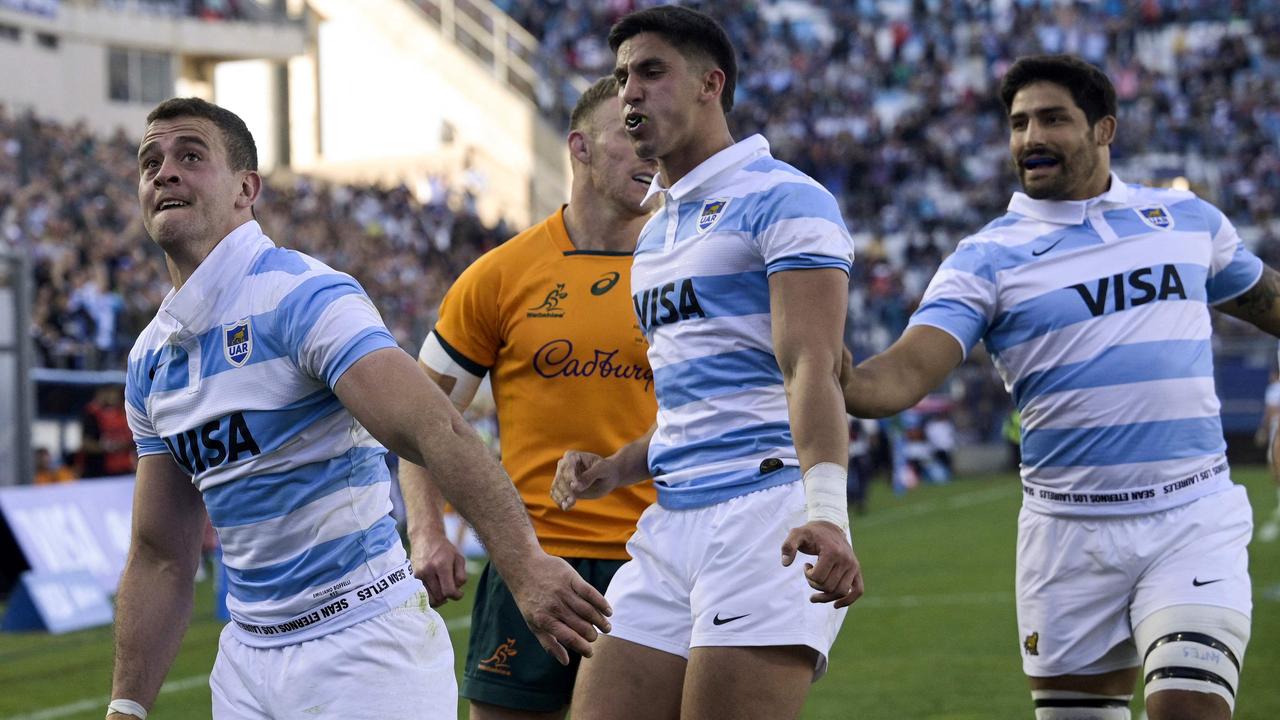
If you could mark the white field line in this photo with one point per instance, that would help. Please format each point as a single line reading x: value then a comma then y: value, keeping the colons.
x: 977, y: 497
x: 173, y: 686
x: 911, y: 601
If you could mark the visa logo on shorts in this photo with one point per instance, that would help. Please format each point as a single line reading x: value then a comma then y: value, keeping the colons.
x: 1139, y: 287
x: 667, y: 304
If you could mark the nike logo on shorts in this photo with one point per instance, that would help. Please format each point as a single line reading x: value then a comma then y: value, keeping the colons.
x: 1197, y: 582
x: 717, y: 620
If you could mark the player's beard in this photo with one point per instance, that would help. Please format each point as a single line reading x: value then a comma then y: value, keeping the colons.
x: 1074, y: 169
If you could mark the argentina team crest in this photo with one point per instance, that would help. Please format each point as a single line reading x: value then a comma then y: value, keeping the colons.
x: 1157, y: 216
x: 237, y: 342
x: 712, y: 211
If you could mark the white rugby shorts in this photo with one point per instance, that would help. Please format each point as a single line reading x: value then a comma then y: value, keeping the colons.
x: 1083, y: 584
x: 397, y: 665
x: 713, y: 576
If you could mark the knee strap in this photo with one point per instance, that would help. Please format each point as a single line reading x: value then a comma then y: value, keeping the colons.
x: 1193, y: 648
x: 1071, y: 705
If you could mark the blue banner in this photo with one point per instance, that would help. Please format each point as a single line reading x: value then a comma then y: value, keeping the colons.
x: 73, y: 526
x: 57, y: 603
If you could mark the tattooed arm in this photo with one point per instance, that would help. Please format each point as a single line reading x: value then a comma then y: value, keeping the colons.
x: 1260, y: 304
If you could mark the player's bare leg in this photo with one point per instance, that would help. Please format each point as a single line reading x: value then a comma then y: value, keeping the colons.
x: 626, y: 681
x: 746, y: 683
x: 1187, y: 705
x: 485, y: 711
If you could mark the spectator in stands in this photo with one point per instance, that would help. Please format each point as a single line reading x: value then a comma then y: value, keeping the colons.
x: 47, y: 473
x: 106, y: 442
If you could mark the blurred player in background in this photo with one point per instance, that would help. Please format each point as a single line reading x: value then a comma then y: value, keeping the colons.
x: 1093, y: 298
x: 548, y: 313
x: 740, y: 283
x: 261, y: 390
x: 1269, y: 432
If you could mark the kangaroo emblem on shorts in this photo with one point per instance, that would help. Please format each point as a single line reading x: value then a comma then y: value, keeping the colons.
x: 498, y: 661
x: 1032, y: 644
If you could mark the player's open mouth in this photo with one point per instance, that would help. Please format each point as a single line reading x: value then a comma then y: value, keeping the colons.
x: 633, y: 121
x: 1035, y: 162
x: 644, y: 179
x: 170, y: 204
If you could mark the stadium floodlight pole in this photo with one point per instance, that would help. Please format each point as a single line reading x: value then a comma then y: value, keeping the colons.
x: 15, y: 343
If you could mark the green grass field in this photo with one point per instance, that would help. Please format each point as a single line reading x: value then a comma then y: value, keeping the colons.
x: 933, y: 638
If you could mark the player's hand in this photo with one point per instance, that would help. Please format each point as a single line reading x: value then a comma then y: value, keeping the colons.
x: 836, y: 576
x: 583, y: 475
x: 439, y: 565
x: 561, y: 608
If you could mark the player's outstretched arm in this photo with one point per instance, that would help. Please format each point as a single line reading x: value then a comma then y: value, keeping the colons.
x: 899, y: 377
x: 437, y: 562
x: 153, y: 605
x: 586, y: 476
x: 388, y: 394
x: 808, y: 309
x: 1260, y: 304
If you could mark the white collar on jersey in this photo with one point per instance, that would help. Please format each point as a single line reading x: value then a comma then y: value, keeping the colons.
x: 229, y: 259
x: 1068, y: 212
x: 737, y: 154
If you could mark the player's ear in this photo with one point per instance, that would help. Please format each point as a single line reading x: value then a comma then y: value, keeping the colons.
x: 250, y: 187
x: 713, y: 84
x: 1104, y: 131
x: 579, y: 148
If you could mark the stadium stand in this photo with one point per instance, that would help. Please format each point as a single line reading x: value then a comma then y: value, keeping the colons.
x: 889, y: 104
x: 68, y: 198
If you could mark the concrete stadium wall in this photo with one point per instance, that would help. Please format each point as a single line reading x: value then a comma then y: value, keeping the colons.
x: 69, y: 81
x: 395, y: 100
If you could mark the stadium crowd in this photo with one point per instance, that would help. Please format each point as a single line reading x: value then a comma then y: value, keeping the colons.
x: 68, y: 199
x: 890, y: 105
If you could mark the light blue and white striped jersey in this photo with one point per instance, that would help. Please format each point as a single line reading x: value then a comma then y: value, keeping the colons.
x: 1096, y: 314
x: 700, y: 284
x: 234, y: 378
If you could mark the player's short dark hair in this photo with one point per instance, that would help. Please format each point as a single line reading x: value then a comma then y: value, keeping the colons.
x: 601, y: 90
x: 1089, y: 87
x: 693, y: 33
x: 242, y: 153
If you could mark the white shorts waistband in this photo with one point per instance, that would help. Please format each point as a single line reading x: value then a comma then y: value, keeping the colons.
x: 337, y: 606
x: 1126, y: 501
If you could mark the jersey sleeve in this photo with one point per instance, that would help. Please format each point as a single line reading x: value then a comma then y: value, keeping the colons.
x: 469, y: 328
x: 1233, y: 269
x: 961, y: 297
x: 798, y: 226
x: 137, y: 385
x: 328, y: 324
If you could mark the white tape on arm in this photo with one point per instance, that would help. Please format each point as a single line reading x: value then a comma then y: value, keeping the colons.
x: 824, y: 494
x: 434, y: 355
x: 127, y: 707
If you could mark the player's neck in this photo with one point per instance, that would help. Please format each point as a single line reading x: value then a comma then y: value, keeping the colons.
x: 182, y: 263
x: 595, y: 224
x: 700, y: 145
